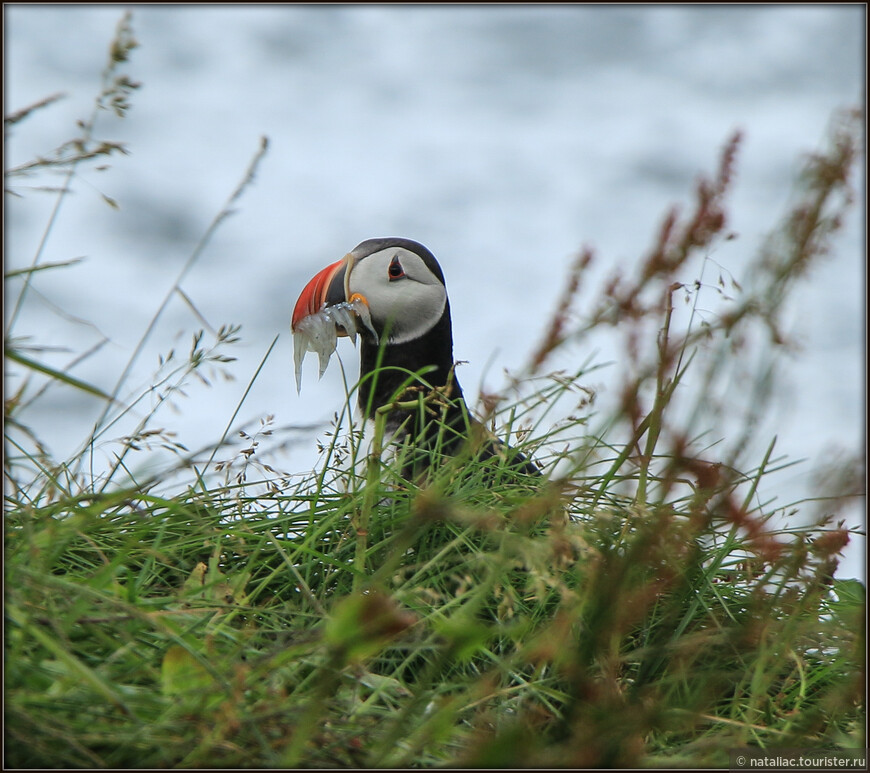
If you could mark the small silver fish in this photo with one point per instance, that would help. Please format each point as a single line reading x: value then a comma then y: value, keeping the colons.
x: 319, y: 332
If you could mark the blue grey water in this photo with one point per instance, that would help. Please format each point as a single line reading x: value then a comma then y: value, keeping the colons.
x: 504, y: 138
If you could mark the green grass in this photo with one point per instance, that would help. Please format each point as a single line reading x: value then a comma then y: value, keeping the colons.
x: 641, y: 605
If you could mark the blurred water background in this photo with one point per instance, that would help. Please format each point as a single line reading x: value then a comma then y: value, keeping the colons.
x: 504, y: 138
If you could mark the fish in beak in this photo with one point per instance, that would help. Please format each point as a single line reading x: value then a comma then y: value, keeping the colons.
x: 325, y: 311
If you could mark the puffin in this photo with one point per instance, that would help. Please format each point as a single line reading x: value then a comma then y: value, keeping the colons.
x: 392, y: 293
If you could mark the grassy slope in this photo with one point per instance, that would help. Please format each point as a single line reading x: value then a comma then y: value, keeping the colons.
x: 642, y: 607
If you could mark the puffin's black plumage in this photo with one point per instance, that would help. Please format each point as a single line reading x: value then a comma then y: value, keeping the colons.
x: 403, y: 287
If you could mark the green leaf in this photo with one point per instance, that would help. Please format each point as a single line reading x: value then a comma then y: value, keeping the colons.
x: 850, y: 593
x: 181, y: 672
x: 41, y: 267
x: 64, y: 377
x: 466, y: 635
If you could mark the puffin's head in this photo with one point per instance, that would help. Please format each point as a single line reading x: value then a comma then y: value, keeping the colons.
x: 398, y: 280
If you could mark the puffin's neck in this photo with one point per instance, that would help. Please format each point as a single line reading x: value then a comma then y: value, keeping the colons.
x: 432, y: 348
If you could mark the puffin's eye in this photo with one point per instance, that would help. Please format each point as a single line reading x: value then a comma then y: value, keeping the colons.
x: 395, y: 271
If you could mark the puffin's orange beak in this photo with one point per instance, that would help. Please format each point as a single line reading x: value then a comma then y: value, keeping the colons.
x: 314, y: 295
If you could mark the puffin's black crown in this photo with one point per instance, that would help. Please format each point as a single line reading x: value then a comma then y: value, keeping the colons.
x: 371, y: 246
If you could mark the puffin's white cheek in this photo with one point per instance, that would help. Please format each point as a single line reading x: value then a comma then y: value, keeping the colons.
x: 408, y: 308
x: 416, y: 311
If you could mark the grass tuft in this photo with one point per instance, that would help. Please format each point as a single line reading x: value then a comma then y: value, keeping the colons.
x: 638, y: 606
